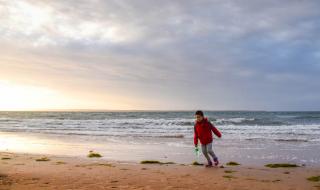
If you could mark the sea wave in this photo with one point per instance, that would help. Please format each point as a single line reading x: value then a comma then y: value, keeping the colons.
x: 279, y: 139
x: 291, y: 140
x: 234, y: 120
x: 236, y: 125
x: 248, y: 121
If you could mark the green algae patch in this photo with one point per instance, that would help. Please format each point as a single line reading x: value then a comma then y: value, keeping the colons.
x: 95, y: 164
x: 232, y: 163
x: 154, y: 162
x: 314, y: 178
x: 229, y: 176
x: 229, y: 171
x: 150, y: 162
x: 6, y: 158
x: 43, y: 159
x: 94, y: 155
x: 60, y: 162
x: 104, y: 164
x: 281, y: 165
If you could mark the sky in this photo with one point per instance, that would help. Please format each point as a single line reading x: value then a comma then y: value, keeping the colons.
x: 160, y: 55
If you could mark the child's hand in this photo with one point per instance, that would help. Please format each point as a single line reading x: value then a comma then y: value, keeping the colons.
x: 196, y: 151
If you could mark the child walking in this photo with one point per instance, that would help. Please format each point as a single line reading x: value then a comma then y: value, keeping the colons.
x: 203, y: 129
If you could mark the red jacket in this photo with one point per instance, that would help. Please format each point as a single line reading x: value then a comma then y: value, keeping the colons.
x: 202, y: 131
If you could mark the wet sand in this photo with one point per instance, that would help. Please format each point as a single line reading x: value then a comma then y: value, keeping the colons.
x: 22, y: 171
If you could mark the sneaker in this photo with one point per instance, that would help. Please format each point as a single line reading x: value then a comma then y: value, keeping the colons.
x: 216, y: 161
x: 209, y: 165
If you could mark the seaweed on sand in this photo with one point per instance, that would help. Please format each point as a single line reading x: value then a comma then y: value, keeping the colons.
x: 43, y: 159
x: 94, y: 154
x: 281, y: 165
x: 314, y: 178
x: 232, y: 163
x: 154, y: 162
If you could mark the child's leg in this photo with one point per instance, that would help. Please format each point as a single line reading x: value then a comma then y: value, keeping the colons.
x: 205, y: 152
x: 210, y: 151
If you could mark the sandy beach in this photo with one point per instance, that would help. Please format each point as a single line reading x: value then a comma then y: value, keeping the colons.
x: 22, y: 171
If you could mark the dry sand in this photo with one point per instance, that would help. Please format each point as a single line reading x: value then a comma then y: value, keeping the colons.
x: 21, y: 171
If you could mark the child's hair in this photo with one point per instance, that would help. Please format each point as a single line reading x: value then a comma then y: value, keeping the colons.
x: 199, y: 112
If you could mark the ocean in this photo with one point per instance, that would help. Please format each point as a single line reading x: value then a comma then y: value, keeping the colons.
x: 253, y: 137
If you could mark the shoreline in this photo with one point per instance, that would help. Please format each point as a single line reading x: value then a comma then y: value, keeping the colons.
x: 201, y: 160
x: 22, y: 171
x: 167, y: 149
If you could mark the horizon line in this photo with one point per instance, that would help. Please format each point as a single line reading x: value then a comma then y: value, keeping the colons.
x: 154, y: 110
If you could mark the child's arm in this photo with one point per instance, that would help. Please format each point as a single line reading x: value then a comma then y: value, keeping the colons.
x: 215, y: 130
x: 195, y: 139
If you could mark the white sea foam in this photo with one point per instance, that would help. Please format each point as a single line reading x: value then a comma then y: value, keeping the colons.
x: 254, y: 126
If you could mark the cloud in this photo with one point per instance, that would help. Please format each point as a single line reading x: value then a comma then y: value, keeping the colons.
x: 168, y: 54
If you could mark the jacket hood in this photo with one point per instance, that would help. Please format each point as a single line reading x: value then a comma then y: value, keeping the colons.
x: 204, y: 120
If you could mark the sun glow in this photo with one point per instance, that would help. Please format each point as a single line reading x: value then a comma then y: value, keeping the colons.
x: 21, y: 97
x: 26, y: 97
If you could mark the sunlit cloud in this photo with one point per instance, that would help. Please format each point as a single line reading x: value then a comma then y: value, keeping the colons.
x: 43, y: 23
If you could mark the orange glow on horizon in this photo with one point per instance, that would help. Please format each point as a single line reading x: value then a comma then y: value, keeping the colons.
x: 21, y: 97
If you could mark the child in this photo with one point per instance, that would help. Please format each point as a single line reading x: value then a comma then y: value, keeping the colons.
x: 202, y: 131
